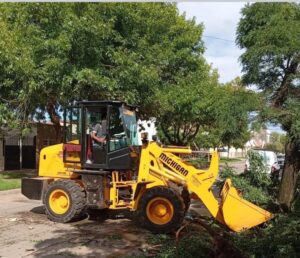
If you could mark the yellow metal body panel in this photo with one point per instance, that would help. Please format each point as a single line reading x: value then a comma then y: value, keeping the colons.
x: 51, y: 163
x: 118, y: 184
x: 240, y: 214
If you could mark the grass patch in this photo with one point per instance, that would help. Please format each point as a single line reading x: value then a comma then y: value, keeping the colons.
x: 228, y: 160
x: 9, y: 183
x: 10, y: 180
x: 204, y: 163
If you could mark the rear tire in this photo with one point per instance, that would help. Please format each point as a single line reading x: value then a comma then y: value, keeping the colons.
x: 64, y: 201
x: 161, y: 210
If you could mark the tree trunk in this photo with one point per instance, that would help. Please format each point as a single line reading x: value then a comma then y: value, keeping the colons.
x: 228, y: 151
x: 55, y: 119
x: 290, y: 174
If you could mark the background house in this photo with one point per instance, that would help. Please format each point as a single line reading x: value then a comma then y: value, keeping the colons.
x: 17, y: 152
x: 258, y: 140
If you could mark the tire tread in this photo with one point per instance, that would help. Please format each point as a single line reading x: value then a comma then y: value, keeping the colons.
x: 173, y: 197
x: 77, y: 197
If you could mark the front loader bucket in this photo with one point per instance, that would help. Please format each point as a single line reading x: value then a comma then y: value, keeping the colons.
x: 238, y: 213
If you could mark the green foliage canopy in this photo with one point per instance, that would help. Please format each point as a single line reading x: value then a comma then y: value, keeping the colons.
x: 270, y: 34
x: 139, y: 53
x: 231, y: 106
x: 146, y: 54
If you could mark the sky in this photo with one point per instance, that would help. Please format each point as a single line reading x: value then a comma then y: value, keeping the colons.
x: 220, y: 21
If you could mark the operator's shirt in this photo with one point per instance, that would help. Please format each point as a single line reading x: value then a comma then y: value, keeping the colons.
x: 97, y: 129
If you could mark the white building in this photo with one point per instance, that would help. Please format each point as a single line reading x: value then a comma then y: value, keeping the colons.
x: 147, y: 126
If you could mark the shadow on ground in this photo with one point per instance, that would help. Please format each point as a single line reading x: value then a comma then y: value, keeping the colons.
x: 38, y: 210
x: 85, y: 238
x: 94, y: 239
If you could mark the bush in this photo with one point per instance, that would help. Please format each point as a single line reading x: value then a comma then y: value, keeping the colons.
x: 281, y: 235
x: 245, y: 183
x: 258, y: 174
x: 280, y: 238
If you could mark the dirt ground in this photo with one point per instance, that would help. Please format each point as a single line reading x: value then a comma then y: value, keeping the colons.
x: 25, y: 231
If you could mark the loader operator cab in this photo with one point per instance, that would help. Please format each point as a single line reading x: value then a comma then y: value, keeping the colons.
x: 103, y: 132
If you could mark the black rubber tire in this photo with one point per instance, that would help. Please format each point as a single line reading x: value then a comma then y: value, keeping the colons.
x: 186, y: 199
x: 173, y: 197
x: 76, y: 196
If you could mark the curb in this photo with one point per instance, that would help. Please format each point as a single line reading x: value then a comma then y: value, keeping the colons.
x: 12, y: 191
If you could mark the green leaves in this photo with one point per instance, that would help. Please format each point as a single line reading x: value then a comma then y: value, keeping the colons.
x: 270, y: 34
x: 144, y: 53
x: 252, y: 190
x: 280, y: 238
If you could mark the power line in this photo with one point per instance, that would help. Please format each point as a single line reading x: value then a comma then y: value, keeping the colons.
x: 212, y: 37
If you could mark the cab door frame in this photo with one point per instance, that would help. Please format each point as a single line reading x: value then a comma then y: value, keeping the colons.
x: 76, y: 147
x: 84, y: 136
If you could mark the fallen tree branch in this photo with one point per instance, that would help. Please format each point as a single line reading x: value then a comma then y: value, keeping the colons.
x: 222, y: 244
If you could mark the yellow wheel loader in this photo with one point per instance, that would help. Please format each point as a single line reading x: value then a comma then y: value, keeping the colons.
x: 100, y: 166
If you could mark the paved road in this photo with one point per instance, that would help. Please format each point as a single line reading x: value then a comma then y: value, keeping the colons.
x: 237, y: 166
x: 26, y: 232
x: 12, y: 201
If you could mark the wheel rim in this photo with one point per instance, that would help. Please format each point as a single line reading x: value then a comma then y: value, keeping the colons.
x: 59, y: 201
x: 160, y: 211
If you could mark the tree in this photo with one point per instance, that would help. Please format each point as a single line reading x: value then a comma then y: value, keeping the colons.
x: 277, y: 141
x: 186, y: 108
x: 230, y: 116
x: 139, y: 53
x: 15, y: 69
x: 235, y: 104
x: 269, y: 33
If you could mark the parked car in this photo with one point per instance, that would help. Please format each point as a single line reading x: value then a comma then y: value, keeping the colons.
x: 281, y: 158
x: 270, y: 160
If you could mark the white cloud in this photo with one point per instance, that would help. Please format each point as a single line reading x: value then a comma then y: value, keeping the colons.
x: 220, y: 21
x: 228, y: 67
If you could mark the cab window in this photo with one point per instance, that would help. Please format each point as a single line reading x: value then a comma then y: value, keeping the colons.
x: 118, y: 137
x: 72, y: 124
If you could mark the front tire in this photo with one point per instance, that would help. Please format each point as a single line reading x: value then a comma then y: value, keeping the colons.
x: 161, y: 210
x: 186, y: 199
x: 64, y: 201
